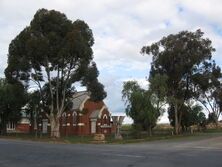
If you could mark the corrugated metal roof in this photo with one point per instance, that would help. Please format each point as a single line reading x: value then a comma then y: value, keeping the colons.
x: 78, y: 99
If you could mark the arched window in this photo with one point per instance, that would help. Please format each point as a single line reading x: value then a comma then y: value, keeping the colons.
x: 105, y: 116
x: 105, y: 119
x: 74, y: 116
x: 64, y: 119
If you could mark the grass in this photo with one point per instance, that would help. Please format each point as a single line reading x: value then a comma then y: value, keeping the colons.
x: 78, y: 139
x: 195, y: 136
x: 159, y: 134
x: 31, y: 137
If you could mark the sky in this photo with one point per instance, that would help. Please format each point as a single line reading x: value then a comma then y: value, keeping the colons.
x: 120, y: 28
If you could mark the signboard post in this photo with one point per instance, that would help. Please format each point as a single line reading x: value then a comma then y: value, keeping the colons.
x: 117, y: 121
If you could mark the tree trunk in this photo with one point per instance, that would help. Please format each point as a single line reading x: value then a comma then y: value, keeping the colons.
x: 55, y: 131
x: 35, y: 126
x: 179, y: 121
x: 176, y: 120
x: 32, y: 121
x: 150, y: 131
x: 3, y: 128
x: 217, y: 123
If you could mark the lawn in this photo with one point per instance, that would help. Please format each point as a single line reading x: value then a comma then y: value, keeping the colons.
x: 161, y: 132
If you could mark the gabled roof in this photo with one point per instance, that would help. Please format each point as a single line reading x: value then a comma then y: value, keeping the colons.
x: 79, y: 99
x: 95, y: 114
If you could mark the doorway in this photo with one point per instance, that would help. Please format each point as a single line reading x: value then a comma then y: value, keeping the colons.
x: 93, y: 126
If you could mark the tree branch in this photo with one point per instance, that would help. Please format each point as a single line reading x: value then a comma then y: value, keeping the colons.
x: 50, y: 85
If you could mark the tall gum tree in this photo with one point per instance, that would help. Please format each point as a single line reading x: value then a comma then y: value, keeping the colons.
x: 179, y: 57
x: 56, y: 53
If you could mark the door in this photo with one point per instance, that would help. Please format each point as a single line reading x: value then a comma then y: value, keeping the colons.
x: 93, y: 126
x: 44, y: 126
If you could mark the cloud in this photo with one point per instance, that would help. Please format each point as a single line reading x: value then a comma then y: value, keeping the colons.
x: 120, y: 29
x: 208, y: 10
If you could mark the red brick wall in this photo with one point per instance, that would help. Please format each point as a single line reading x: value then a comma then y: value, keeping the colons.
x: 83, y: 118
x: 24, y: 128
x: 104, y: 122
x: 89, y: 107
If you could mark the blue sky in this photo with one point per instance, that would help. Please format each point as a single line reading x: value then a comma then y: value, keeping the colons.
x: 120, y: 28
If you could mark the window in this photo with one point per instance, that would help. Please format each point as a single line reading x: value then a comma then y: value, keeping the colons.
x: 64, y: 119
x: 11, y: 126
x: 74, y: 116
x: 105, y: 119
x: 105, y: 116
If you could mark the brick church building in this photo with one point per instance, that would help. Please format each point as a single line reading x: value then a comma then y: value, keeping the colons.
x: 85, y: 118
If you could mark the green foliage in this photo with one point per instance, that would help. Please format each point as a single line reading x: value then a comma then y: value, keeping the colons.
x: 158, y: 90
x: 158, y: 85
x: 33, y: 108
x: 180, y: 57
x: 91, y: 81
x: 55, y: 54
x: 212, y: 118
x: 12, y: 99
x: 207, y: 84
x: 56, y: 47
x: 189, y: 114
x: 52, y: 43
x: 131, y: 89
x: 139, y: 106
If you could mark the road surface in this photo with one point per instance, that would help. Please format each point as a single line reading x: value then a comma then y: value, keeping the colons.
x: 171, y: 153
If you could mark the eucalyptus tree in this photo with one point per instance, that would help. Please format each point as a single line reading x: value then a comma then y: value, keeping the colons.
x: 149, y: 114
x: 55, y: 52
x: 208, y: 89
x: 179, y: 57
x: 130, y: 91
x: 140, y: 106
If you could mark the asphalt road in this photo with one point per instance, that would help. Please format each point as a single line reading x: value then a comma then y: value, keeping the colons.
x: 179, y: 153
